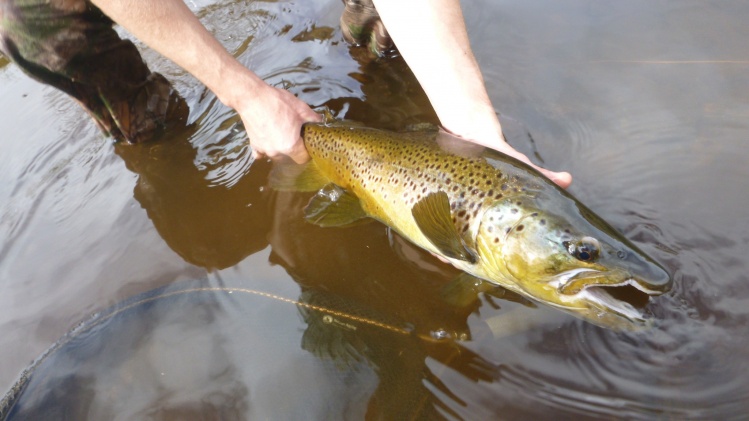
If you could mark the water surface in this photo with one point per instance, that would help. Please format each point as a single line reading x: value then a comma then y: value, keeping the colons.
x: 204, y: 294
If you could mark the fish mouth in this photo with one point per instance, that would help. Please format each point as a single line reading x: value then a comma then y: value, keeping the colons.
x: 608, y: 297
x: 574, y: 281
x: 614, y: 291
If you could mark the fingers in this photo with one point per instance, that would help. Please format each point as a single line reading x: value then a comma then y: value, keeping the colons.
x: 274, y: 126
x: 257, y: 154
x: 297, y: 153
x: 310, y: 116
x: 562, y: 179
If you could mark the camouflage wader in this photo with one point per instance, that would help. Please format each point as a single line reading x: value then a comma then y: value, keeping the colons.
x: 71, y: 45
x: 361, y: 25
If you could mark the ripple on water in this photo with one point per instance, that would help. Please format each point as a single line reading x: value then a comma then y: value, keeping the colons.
x: 65, y: 176
x: 226, y: 157
x: 690, y: 365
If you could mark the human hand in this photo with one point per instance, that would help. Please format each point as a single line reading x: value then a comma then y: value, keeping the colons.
x: 562, y: 179
x: 273, y: 119
x: 464, y: 145
x: 456, y: 92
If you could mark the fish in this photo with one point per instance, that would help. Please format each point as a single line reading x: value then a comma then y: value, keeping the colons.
x: 495, y: 218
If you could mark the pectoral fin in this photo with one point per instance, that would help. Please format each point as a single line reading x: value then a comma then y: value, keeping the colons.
x: 432, y: 215
x: 465, y: 288
x: 333, y: 206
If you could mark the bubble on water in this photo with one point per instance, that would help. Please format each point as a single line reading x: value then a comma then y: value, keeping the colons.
x: 441, y: 334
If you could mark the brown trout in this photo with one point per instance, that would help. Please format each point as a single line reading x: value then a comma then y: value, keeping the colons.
x: 489, y: 215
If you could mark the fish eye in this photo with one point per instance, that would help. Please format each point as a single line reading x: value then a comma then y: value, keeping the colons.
x: 586, y: 249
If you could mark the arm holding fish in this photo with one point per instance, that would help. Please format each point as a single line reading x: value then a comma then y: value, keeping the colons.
x: 272, y: 117
x: 431, y: 34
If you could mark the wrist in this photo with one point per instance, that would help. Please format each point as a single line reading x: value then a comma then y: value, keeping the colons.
x: 475, y: 122
x: 235, y: 85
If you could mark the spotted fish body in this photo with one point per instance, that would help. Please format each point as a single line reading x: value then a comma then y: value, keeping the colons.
x: 391, y: 172
x: 486, y: 213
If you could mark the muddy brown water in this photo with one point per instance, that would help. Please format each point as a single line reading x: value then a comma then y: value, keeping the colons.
x: 203, y: 295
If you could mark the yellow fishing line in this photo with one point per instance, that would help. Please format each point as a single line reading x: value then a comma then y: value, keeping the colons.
x: 297, y: 303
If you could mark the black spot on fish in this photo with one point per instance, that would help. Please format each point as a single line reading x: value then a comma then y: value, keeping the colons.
x: 520, y: 228
x: 496, y: 240
x: 514, y: 211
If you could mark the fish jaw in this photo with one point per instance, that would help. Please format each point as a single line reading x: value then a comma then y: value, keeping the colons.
x: 650, y: 279
x: 591, y: 298
x: 592, y: 293
x: 537, y: 262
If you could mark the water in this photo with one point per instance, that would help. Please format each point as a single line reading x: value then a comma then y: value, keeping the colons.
x: 205, y: 295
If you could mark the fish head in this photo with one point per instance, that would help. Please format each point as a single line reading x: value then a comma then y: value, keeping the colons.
x: 571, y: 259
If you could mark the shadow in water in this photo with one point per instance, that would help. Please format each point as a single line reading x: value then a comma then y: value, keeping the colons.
x: 370, y: 302
x: 207, y: 224
x: 380, y: 307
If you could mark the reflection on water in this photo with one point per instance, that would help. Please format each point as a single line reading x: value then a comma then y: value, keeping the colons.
x: 223, y: 303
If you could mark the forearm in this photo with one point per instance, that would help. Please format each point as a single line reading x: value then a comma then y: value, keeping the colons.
x: 170, y: 27
x: 431, y: 35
